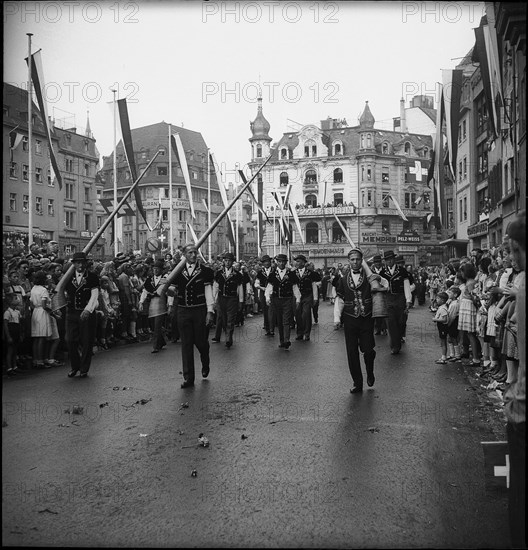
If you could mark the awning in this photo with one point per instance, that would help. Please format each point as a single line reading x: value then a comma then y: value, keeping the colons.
x: 37, y: 232
x: 455, y: 241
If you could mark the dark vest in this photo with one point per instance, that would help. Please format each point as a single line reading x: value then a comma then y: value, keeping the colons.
x: 396, y: 280
x: 263, y: 278
x: 228, y: 286
x: 358, y: 300
x: 283, y: 288
x: 78, y: 296
x: 191, y: 288
x: 305, y: 282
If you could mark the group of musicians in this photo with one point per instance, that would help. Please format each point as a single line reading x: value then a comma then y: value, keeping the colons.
x: 289, y: 297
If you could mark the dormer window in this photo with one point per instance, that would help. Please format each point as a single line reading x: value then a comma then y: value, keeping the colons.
x: 338, y: 148
x: 407, y: 148
x: 310, y: 148
x: 426, y: 152
x: 259, y: 151
x: 385, y: 148
x: 284, y: 153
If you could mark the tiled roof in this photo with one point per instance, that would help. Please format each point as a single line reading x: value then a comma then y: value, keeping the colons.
x: 16, y: 99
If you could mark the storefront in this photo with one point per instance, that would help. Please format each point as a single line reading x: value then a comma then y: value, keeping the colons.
x: 478, y: 233
x: 15, y: 239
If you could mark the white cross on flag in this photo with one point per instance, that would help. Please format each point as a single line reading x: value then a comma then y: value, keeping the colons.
x: 496, y: 465
x: 417, y: 170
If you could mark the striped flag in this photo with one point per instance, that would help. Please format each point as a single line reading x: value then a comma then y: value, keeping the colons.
x: 452, y: 85
x: 180, y: 155
x: 398, y: 208
x: 14, y: 141
x: 159, y: 224
x: 37, y: 77
x: 128, y: 147
x: 259, y: 207
x: 297, y: 222
x: 324, y: 211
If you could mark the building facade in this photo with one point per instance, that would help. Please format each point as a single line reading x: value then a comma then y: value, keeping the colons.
x: 68, y: 216
x: 154, y: 189
x: 356, y: 173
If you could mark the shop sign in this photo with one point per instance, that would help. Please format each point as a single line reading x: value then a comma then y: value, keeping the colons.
x: 375, y: 238
x: 404, y: 248
x: 327, y: 252
x: 480, y: 228
x: 408, y: 237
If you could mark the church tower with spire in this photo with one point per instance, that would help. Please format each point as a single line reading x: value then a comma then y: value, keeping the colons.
x: 260, y: 139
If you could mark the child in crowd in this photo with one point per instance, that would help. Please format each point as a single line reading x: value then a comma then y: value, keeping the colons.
x: 440, y: 318
x: 12, y: 333
x: 452, y: 324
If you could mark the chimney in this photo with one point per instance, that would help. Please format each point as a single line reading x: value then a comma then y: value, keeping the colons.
x: 403, y: 122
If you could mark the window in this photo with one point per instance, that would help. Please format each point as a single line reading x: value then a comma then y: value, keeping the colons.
x: 182, y: 194
x: 38, y: 147
x: 194, y: 175
x: 427, y: 200
x: 426, y: 152
x: 337, y: 233
x: 385, y: 200
x: 369, y: 198
x: 68, y: 139
x: 310, y: 178
x: 99, y: 221
x: 385, y: 227
x: 338, y: 199
x: 69, y: 221
x: 87, y: 220
x: 337, y: 149
x: 182, y: 215
x: 450, y: 217
x: 482, y: 114
x: 86, y: 194
x: 69, y: 190
x: 362, y: 173
x: 338, y: 175
x: 369, y: 141
x: 310, y: 148
x: 460, y: 210
x: 69, y: 165
x: 407, y: 149
x: 482, y: 161
x: 464, y: 167
x: 13, y: 168
x: 50, y: 181
x: 25, y: 172
x: 12, y: 202
x: 464, y: 134
x: 459, y: 133
x: 460, y: 171
x: 162, y: 170
x: 311, y: 201
x: 284, y: 153
x: 166, y: 193
x: 312, y: 233
x: 38, y: 174
x: 410, y: 200
x: 25, y: 203
x: 25, y: 144
x: 284, y: 179
x: 85, y: 145
x: 465, y: 208
x: 385, y: 176
x: 38, y: 205
x: 191, y: 155
x: 407, y: 225
x: 86, y: 169
x: 165, y: 214
x: 314, y: 150
x: 369, y: 174
x: 259, y: 151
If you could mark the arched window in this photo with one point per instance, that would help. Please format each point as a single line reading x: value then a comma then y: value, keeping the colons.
x: 312, y: 232
x: 338, y: 175
x: 284, y: 179
x: 337, y: 233
x: 369, y: 141
x: 385, y: 148
x: 311, y: 201
x: 338, y: 199
x: 407, y: 148
x: 284, y: 153
x: 362, y: 141
x: 310, y: 177
x: 310, y: 148
x: 338, y: 148
x: 259, y: 151
x: 426, y: 152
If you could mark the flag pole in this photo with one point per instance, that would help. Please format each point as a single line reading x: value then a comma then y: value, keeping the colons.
x: 30, y: 139
x: 236, y: 233
x: 116, y: 244
x: 274, y: 235
x: 209, y: 204
x: 171, y: 248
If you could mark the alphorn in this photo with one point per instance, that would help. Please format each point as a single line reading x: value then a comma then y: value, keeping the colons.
x: 58, y: 300
x: 179, y: 268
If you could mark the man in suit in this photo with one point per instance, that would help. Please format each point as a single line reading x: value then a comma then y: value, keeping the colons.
x: 309, y: 295
x: 261, y: 282
x: 398, y: 299
x: 194, y: 288
x: 353, y: 304
x: 228, y: 295
x: 82, y: 297
x: 282, y: 286
x: 151, y: 295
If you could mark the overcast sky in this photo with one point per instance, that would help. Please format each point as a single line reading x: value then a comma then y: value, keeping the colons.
x: 200, y: 63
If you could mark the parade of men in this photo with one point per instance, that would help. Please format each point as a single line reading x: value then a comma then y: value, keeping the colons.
x: 264, y: 274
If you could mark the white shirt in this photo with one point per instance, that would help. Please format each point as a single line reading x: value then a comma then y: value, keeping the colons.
x: 301, y: 271
x: 281, y: 273
x: 228, y: 272
x: 190, y: 268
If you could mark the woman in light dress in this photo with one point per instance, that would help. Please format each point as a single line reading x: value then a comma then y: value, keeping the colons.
x: 41, y: 327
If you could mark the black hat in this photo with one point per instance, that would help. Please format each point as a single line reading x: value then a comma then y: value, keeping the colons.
x: 356, y: 249
x: 229, y: 256
x: 79, y: 257
x: 265, y: 258
x: 376, y: 258
x: 388, y: 254
x: 159, y: 263
x: 121, y: 258
x: 300, y: 257
x: 282, y: 257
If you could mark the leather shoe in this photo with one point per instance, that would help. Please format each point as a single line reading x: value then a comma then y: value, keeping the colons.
x: 306, y: 338
x: 205, y: 372
x: 72, y: 373
x: 370, y: 380
x: 229, y: 344
x: 155, y: 350
x: 187, y: 384
x: 281, y: 345
x: 83, y: 375
x: 300, y: 337
x: 356, y: 389
x: 215, y: 339
x: 286, y: 345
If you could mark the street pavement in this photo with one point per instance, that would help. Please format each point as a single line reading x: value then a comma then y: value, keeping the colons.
x: 294, y: 459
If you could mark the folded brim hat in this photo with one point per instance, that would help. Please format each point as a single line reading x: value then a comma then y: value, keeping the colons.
x: 281, y: 257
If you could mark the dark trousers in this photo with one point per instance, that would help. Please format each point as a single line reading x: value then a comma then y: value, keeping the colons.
x: 227, y: 314
x: 420, y: 293
x: 158, y: 339
x: 80, y: 337
x: 193, y: 332
x: 303, y: 315
x: 516, y: 492
x: 359, y: 336
x: 380, y: 323
x: 282, y: 308
x: 315, y: 311
x: 395, y: 321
